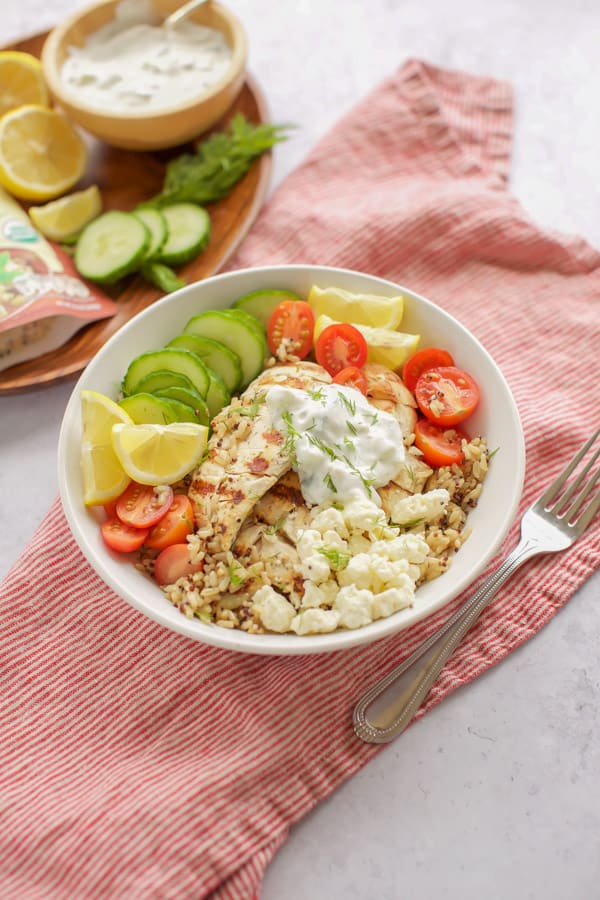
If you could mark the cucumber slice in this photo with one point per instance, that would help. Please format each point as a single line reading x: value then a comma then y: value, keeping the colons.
x: 251, y: 321
x: 188, y: 232
x: 215, y: 355
x: 183, y: 412
x: 147, y: 409
x: 261, y: 304
x: 217, y: 396
x: 156, y: 224
x: 191, y: 398
x: 233, y: 331
x: 173, y: 360
x: 157, y: 381
x: 111, y: 246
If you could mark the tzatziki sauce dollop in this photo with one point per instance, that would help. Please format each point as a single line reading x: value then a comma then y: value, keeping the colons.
x: 341, y: 446
x: 133, y: 66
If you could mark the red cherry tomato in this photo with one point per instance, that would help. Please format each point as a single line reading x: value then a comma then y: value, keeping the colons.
x: 339, y: 346
x: 110, y: 509
x: 440, y: 446
x: 419, y: 362
x: 122, y: 537
x: 446, y: 395
x: 352, y: 376
x: 141, y: 506
x: 294, y: 321
x: 174, y: 562
x: 174, y: 526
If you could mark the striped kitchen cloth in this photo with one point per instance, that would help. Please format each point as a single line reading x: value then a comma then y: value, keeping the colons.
x: 135, y: 763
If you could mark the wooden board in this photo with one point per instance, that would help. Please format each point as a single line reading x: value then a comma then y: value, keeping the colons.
x: 125, y: 178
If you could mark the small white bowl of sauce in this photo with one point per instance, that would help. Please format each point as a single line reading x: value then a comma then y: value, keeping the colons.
x: 119, y: 73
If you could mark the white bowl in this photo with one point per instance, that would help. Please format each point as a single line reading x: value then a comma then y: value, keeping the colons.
x: 496, y: 418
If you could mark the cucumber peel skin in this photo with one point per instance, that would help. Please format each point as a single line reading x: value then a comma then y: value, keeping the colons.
x: 262, y: 303
x: 188, y: 233
x: 248, y: 342
x: 190, y: 398
x: 161, y: 379
x: 215, y: 355
x: 183, y: 362
x: 156, y: 224
x: 217, y: 395
x: 148, y: 409
x: 111, y: 246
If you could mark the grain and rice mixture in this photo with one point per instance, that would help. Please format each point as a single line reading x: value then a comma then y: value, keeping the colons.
x: 349, y: 566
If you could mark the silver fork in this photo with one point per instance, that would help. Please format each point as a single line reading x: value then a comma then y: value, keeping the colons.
x: 552, y: 523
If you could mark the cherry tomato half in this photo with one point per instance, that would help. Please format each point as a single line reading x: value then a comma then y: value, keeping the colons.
x: 339, y: 346
x: 174, y: 562
x: 122, y: 537
x: 440, y: 446
x: 174, y: 526
x: 292, y: 320
x: 446, y: 395
x: 141, y: 506
x: 352, y: 376
x: 419, y: 362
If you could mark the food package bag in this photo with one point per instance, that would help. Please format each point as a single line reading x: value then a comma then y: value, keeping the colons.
x: 43, y: 300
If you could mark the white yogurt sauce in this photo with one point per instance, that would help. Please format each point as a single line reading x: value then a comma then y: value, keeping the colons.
x: 131, y: 65
x: 342, y: 446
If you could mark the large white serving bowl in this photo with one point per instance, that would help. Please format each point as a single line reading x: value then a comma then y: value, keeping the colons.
x: 497, y: 418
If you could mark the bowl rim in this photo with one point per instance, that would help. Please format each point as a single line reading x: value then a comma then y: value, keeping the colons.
x: 68, y: 99
x: 284, y: 644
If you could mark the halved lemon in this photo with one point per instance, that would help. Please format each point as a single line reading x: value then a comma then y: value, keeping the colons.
x: 386, y: 347
x: 63, y: 219
x: 362, y: 309
x: 22, y: 81
x: 41, y: 154
x: 159, y: 454
x: 103, y: 475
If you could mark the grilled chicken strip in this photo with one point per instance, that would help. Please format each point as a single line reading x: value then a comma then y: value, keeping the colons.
x: 246, y: 456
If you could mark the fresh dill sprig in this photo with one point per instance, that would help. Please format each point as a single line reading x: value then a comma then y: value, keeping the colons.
x: 276, y: 526
x: 234, y: 577
x: 251, y: 409
x: 351, y: 427
x: 316, y: 395
x: 330, y: 484
x: 347, y: 402
x: 322, y: 446
x: 337, y: 558
x: 219, y: 162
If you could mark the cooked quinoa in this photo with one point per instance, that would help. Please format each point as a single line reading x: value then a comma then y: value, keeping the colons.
x: 236, y: 588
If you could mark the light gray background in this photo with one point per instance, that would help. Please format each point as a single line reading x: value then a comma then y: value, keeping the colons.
x: 496, y: 792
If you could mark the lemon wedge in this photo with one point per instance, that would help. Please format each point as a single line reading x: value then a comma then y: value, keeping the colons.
x: 22, y: 81
x: 386, y: 347
x: 41, y: 154
x: 63, y: 219
x: 159, y: 454
x: 103, y: 475
x: 359, y: 309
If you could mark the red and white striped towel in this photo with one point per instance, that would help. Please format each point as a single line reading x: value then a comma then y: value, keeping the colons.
x: 138, y: 764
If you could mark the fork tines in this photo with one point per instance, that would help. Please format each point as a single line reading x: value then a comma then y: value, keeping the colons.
x: 567, y: 505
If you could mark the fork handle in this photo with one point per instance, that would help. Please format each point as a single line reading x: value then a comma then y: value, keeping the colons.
x: 398, y: 695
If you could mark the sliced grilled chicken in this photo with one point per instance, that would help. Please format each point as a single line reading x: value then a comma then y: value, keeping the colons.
x: 246, y: 456
x: 387, y: 391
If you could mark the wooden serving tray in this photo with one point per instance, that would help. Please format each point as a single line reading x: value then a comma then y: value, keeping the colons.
x: 126, y: 178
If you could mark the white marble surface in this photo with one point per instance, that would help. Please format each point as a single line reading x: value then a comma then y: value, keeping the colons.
x: 495, y: 793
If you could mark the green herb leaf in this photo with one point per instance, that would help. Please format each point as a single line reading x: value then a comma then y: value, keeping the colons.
x: 337, y: 558
x: 220, y: 161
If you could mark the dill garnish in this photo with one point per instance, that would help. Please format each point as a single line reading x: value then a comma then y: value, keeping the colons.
x: 347, y: 402
x: 329, y: 482
x: 219, y: 162
x: 351, y: 428
x: 276, y: 526
x: 336, y: 558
